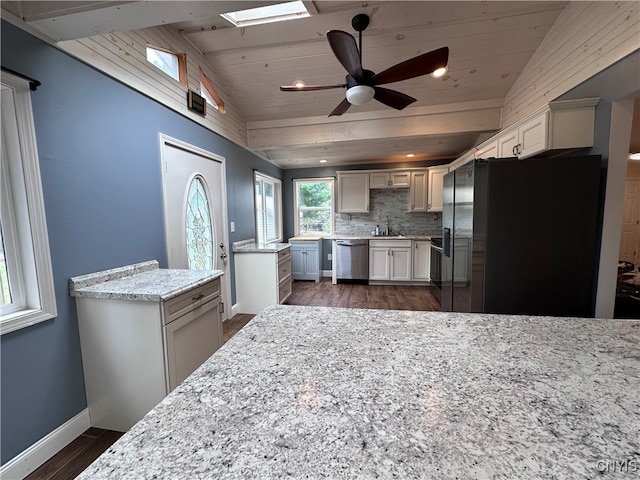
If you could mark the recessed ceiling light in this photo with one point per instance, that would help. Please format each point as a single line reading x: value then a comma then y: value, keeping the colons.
x: 411, y: 155
x: 300, y: 83
x: 634, y: 156
x: 323, y: 161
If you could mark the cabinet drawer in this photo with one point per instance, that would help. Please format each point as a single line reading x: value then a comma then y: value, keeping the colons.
x: 284, y: 254
x: 284, y: 290
x: 284, y: 268
x: 178, y: 306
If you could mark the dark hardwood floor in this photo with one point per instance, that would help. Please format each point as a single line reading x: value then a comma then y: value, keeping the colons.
x: 75, y: 457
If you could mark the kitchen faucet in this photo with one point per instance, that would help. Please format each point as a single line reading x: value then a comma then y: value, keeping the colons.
x: 386, y: 229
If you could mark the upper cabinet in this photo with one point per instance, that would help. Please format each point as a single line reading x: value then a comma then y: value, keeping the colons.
x: 418, y: 199
x: 395, y: 179
x: 425, y: 193
x: 562, y: 125
x: 435, y: 187
x: 353, y: 192
x: 527, y: 139
x: 487, y: 150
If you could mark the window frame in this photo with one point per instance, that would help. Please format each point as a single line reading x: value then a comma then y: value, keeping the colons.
x: 182, y: 64
x: 28, y: 231
x: 277, y: 189
x: 296, y: 213
x: 208, y: 87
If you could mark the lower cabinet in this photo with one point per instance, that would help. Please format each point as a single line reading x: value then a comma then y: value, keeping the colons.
x: 305, y: 259
x: 421, y: 260
x: 390, y: 260
x: 262, y: 279
x: 135, y: 352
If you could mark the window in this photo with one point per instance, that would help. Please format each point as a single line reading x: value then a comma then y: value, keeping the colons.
x: 26, y: 277
x: 199, y: 229
x: 172, y: 63
x: 210, y: 94
x: 268, y: 208
x: 313, y: 205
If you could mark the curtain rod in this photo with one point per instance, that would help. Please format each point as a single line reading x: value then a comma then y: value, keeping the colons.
x: 33, y: 83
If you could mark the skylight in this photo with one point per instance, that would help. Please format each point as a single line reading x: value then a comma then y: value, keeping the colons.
x: 268, y: 14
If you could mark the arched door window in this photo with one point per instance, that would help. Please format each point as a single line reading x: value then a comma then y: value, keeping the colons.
x: 199, y: 229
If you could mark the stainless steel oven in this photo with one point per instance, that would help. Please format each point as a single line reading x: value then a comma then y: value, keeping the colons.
x: 436, y: 267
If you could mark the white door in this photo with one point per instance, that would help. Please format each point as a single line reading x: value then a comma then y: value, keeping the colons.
x: 194, y: 194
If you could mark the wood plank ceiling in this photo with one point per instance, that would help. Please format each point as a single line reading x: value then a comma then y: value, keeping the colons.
x: 490, y: 43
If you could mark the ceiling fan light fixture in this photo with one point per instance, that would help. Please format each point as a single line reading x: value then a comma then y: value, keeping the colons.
x: 634, y: 156
x: 300, y: 83
x: 360, y: 94
x: 439, y: 72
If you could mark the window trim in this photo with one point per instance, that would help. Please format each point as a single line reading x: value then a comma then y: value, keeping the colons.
x: 211, y: 90
x: 32, y: 235
x: 182, y: 64
x: 296, y: 216
x: 278, y: 204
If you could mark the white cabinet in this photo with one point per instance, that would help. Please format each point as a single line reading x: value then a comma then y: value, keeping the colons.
x: 421, y: 260
x: 305, y: 259
x: 353, y: 192
x: 262, y: 279
x: 435, y: 188
x: 487, y: 150
x: 418, y: 199
x: 135, y: 352
x: 526, y: 140
x: 425, y: 193
x: 562, y: 125
x: 393, y: 179
x: 390, y: 260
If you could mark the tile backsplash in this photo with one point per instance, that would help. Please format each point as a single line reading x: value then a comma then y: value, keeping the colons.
x: 394, y: 204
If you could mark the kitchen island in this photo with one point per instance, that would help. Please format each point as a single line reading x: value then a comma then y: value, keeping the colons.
x: 314, y: 392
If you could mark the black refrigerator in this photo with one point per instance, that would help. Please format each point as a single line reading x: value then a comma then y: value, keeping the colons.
x: 522, y: 236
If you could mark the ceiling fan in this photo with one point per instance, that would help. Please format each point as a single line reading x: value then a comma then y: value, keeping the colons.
x: 361, y: 84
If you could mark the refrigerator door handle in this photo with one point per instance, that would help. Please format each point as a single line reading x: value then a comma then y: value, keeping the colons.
x: 446, y: 242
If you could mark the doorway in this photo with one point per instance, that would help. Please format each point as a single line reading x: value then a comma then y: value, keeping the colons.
x: 195, y: 206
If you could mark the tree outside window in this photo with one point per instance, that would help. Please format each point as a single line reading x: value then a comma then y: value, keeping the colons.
x: 313, y: 205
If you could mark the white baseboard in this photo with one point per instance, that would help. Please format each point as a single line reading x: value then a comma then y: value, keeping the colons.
x: 28, y: 460
x: 327, y: 273
x: 234, y: 310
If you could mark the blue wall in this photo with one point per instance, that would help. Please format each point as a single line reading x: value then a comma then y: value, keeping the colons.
x: 100, y: 164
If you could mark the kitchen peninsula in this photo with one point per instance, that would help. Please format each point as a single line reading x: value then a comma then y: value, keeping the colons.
x: 309, y: 392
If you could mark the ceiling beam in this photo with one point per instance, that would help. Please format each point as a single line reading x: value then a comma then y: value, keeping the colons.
x: 481, y: 116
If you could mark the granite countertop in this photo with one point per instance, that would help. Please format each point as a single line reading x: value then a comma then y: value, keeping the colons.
x: 251, y: 246
x: 305, y: 239
x: 316, y: 392
x: 382, y: 237
x: 141, y: 282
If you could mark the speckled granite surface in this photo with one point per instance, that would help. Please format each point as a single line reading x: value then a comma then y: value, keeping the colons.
x: 382, y: 237
x: 140, y: 282
x: 252, y: 246
x: 312, y: 392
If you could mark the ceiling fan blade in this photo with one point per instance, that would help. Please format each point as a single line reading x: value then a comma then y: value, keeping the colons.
x: 392, y: 99
x: 342, y: 107
x: 346, y: 51
x: 294, y: 88
x: 414, y: 67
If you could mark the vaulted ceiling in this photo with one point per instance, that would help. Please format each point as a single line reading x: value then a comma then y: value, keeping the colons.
x: 490, y: 43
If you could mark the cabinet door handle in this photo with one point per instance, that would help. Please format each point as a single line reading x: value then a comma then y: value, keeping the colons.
x: 198, y: 297
x: 514, y: 150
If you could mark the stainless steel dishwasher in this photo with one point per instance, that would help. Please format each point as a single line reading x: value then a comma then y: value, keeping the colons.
x: 352, y: 261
